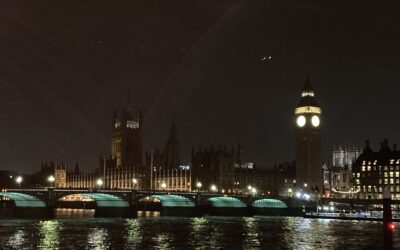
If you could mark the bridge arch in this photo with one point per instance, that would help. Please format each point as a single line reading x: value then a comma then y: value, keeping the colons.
x: 171, y: 200
x: 269, y: 203
x: 226, y: 201
x: 102, y: 199
x: 23, y: 200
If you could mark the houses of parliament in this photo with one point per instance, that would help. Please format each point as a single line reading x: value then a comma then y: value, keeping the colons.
x: 129, y: 166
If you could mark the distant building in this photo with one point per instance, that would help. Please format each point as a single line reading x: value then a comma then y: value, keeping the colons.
x: 374, y: 171
x: 338, y: 177
x: 55, y: 169
x: 124, y: 165
x: 165, y: 171
x: 227, y: 170
x: 123, y: 169
x: 345, y: 156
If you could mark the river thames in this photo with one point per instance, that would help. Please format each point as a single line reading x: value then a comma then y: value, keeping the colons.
x: 69, y: 231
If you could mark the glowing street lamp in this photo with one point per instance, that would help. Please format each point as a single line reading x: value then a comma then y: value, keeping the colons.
x: 213, y: 188
x: 135, y: 182
x: 254, y: 191
x: 51, y: 179
x: 99, y: 183
x: 18, y: 180
x: 163, y: 185
x: 198, y: 185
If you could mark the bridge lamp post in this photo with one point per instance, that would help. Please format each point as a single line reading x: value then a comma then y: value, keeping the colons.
x: 198, y: 185
x: 99, y: 183
x: 163, y: 185
x: 290, y: 191
x: 249, y: 188
x: 135, y: 182
x: 213, y: 188
x: 18, y: 180
x: 51, y: 179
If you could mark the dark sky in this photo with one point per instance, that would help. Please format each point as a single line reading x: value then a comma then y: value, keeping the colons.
x: 64, y: 65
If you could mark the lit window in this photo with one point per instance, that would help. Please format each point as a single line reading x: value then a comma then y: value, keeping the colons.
x: 363, y: 168
x: 380, y: 181
x: 358, y: 175
x: 386, y: 168
x: 386, y: 181
x: 397, y: 188
x: 391, y: 181
x: 391, y: 174
x: 392, y: 161
x: 357, y: 181
x: 386, y: 174
x: 132, y: 124
x: 397, y: 174
x: 369, y: 189
x: 369, y: 168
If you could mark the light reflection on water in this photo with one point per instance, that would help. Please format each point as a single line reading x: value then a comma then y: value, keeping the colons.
x: 97, y: 239
x: 49, y: 234
x: 155, y: 232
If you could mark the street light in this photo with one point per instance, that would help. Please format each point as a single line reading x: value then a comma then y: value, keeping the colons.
x: 198, y: 185
x: 163, y: 185
x: 51, y: 179
x: 18, y: 180
x: 99, y: 182
x: 135, y: 182
x: 254, y: 191
x: 213, y: 188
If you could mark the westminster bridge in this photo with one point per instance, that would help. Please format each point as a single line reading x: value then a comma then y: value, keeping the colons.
x: 43, y: 202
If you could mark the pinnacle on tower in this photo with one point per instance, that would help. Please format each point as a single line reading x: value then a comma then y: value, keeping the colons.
x: 307, y: 95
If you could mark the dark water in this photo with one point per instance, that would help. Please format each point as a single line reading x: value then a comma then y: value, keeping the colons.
x: 190, y: 233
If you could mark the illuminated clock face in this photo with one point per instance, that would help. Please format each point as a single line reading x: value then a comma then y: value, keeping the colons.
x: 301, y: 121
x: 315, y: 121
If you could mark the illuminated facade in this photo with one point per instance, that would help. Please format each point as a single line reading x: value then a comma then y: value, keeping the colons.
x: 374, y: 171
x: 338, y: 177
x: 125, y: 162
x: 230, y: 173
x: 309, y: 173
x: 58, y: 171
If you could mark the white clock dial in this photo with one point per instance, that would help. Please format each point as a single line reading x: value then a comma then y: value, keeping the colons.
x: 301, y: 121
x: 315, y: 121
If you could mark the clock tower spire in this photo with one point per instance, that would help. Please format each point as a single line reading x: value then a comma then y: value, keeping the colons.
x: 309, y: 173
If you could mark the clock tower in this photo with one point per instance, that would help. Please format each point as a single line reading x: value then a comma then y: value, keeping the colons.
x: 309, y: 174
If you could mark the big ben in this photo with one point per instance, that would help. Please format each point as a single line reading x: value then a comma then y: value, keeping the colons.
x: 309, y: 175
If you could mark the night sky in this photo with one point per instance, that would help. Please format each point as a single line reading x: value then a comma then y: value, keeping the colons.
x: 229, y: 71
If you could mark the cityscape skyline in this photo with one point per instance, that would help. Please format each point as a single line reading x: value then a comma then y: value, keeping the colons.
x: 229, y: 72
